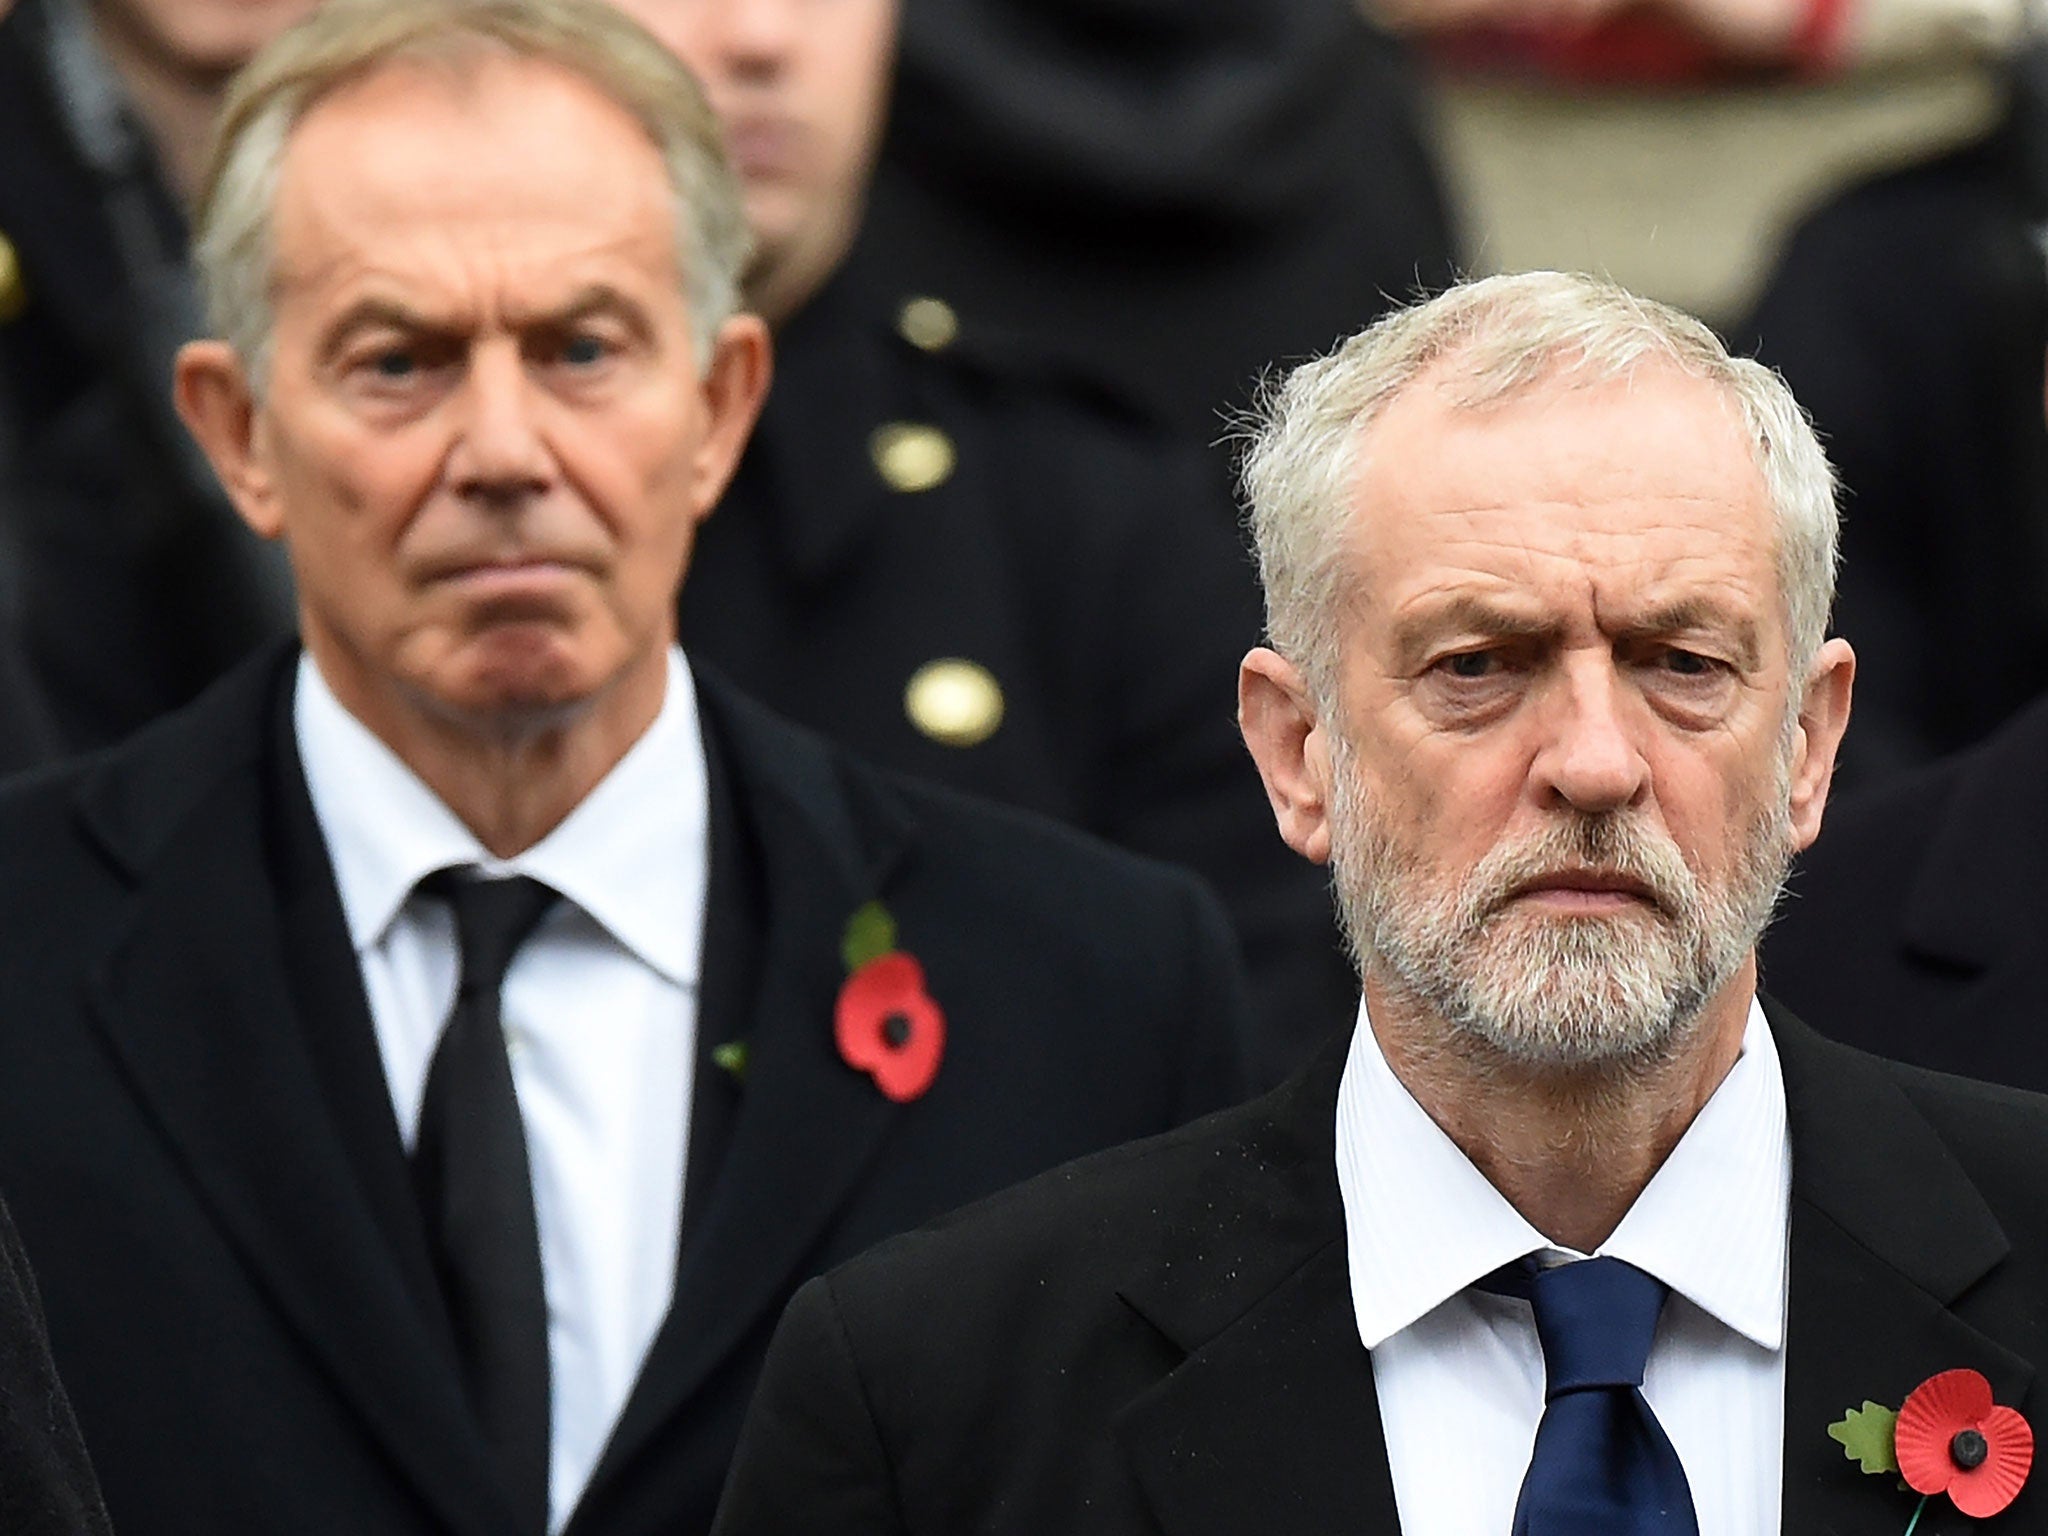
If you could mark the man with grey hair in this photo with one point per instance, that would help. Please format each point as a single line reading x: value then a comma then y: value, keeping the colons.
x: 1572, y: 1233
x: 429, y: 1062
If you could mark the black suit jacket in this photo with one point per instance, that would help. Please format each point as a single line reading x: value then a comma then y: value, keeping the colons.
x: 195, y: 1128
x: 46, y: 1481
x: 1160, y: 1340
x: 1917, y: 924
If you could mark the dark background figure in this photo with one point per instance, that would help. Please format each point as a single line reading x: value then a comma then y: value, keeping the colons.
x: 1179, y: 193
x: 1917, y: 926
x: 138, y: 584
x: 1910, y: 315
x: 947, y: 549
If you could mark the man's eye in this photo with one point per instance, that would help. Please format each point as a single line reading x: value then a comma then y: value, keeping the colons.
x: 583, y: 351
x: 394, y: 364
x: 1687, y: 663
x: 1472, y: 664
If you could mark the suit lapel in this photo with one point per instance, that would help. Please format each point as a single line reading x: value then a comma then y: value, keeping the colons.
x: 1270, y: 1422
x: 1887, y: 1234
x: 806, y: 1126
x: 195, y: 1003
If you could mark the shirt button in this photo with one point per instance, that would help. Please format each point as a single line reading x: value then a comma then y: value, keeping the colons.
x: 954, y: 702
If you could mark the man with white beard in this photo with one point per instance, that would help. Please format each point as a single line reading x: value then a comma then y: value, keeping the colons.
x: 1573, y: 1233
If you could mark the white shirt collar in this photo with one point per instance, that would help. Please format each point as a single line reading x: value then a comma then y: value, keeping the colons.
x: 633, y: 854
x: 1422, y: 1223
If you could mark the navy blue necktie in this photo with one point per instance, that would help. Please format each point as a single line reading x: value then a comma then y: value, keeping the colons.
x: 1603, y: 1465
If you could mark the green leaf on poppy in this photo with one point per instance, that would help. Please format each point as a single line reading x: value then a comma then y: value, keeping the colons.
x: 732, y: 1057
x: 1868, y: 1437
x: 870, y: 934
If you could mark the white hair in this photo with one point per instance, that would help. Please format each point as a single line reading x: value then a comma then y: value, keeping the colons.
x: 1487, y: 342
x: 346, y: 40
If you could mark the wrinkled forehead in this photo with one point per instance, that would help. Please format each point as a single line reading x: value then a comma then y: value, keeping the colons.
x: 1647, y: 478
x: 471, y: 141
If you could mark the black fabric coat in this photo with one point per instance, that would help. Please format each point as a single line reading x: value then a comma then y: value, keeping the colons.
x: 139, y: 584
x: 1917, y: 924
x: 1090, y: 565
x: 196, y: 1130
x: 46, y: 1481
x: 1160, y: 1342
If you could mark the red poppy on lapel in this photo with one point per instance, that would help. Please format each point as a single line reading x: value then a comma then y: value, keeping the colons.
x: 888, y: 1026
x: 1951, y: 1438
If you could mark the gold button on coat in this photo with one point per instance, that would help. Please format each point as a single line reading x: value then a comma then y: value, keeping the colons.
x: 956, y: 703
x: 911, y: 456
x: 928, y: 324
x: 13, y: 287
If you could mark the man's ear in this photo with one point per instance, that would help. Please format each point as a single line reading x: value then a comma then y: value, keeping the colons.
x: 218, y: 407
x: 1823, y: 717
x: 734, y: 388
x: 1291, y: 746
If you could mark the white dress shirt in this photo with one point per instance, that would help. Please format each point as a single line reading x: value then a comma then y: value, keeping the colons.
x: 1459, y: 1373
x: 600, y: 1018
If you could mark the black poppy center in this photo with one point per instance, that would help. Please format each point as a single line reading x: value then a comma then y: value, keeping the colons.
x: 896, y: 1033
x: 1968, y: 1449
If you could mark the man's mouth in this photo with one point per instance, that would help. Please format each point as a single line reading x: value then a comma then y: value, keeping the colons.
x: 1589, y: 891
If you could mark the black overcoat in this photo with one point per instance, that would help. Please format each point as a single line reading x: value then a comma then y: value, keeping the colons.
x: 1917, y: 924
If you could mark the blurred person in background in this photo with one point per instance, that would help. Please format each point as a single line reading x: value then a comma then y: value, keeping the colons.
x: 137, y: 583
x: 1840, y: 187
x: 945, y: 551
x: 430, y: 1060
x: 1176, y: 193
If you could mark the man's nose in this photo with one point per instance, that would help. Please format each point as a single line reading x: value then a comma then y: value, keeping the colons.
x: 500, y: 454
x: 1590, y: 759
x: 756, y: 36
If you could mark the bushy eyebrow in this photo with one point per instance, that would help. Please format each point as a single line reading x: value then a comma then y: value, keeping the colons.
x: 1486, y: 620
x: 1696, y: 615
x: 597, y: 298
x: 1464, y: 614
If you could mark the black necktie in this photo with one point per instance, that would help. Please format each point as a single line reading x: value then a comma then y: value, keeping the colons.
x: 476, y: 1189
x: 1602, y: 1462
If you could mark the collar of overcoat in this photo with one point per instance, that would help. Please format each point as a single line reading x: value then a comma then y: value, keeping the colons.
x: 1271, y: 1423
x: 194, y: 1001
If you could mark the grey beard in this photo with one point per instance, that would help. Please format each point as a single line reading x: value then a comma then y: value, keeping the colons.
x: 1547, y: 991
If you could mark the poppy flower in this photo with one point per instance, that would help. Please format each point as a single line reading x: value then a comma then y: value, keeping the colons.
x: 1953, y: 1439
x: 888, y: 1026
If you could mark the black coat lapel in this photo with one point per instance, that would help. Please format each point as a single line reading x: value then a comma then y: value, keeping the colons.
x: 195, y: 1002
x: 1888, y: 1233
x: 1271, y: 1422
x: 806, y: 1126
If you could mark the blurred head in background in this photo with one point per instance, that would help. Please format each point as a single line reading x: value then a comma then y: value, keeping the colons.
x: 801, y: 88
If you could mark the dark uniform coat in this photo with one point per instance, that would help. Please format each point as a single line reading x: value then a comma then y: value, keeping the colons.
x: 198, y: 1136
x: 1918, y: 922
x: 997, y: 580
x: 139, y: 584
x: 1177, y: 193
x: 1160, y: 1341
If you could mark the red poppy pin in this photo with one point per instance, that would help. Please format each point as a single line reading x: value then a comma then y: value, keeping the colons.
x: 886, y: 1022
x: 1947, y: 1437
